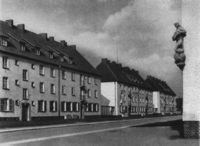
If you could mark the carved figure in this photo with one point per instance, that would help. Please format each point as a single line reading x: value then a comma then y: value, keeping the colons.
x: 179, y: 49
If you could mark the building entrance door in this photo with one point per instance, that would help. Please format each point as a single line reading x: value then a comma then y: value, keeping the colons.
x: 25, y: 112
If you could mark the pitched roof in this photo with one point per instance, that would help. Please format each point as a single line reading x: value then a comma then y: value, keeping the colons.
x: 114, y: 72
x: 17, y: 35
x: 159, y: 85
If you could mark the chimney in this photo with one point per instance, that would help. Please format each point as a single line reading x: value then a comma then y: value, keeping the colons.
x: 63, y: 43
x: 10, y: 22
x: 43, y: 35
x: 51, y: 38
x: 21, y: 27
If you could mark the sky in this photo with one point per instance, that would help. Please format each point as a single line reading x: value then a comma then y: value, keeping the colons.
x: 136, y: 33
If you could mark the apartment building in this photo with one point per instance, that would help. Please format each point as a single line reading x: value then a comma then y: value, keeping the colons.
x: 125, y: 89
x: 164, y: 98
x: 43, y: 78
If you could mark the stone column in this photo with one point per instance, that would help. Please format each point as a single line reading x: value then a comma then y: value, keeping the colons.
x: 191, y: 72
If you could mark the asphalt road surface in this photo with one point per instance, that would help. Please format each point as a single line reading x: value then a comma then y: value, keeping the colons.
x: 115, y: 133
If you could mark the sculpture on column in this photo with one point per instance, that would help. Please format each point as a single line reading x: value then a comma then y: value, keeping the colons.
x: 179, y: 49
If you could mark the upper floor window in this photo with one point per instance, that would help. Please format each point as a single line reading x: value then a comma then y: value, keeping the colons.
x: 17, y: 82
x: 42, y: 106
x: 6, y: 105
x: 25, y: 75
x: 73, y: 76
x: 89, y: 93
x: 25, y: 93
x: 53, y: 72
x: 41, y: 70
x: 73, y: 91
x: 5, y: 62
x: 33, y: 66
x: 53, y: 106
x: 5, y: 83
x: 53, y: 89
x: 95, y: 81
x: 41, y: 87
x: 89, y: 80
x: 82, y: 79
x: 64, y: 75
x: 3, y: 42
x: 63, y: 89
x: 16, y: 62
x: 96, y: 93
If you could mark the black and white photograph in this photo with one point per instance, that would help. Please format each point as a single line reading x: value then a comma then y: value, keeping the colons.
x: 100, y: 72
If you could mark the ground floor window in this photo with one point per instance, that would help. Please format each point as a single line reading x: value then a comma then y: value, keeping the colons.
x: 69, y: 106
x: 42, y: 106
x: 6, y: 105
x: 53, y: 106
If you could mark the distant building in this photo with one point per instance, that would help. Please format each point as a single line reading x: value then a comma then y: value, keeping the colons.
x: 42, y: 78
x: 125, y: 89
x: 164, y: 98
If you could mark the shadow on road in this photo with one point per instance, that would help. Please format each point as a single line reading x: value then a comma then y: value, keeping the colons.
x: 174, y: 125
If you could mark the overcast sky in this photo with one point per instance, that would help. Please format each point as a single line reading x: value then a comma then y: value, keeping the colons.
x: 141, y: 30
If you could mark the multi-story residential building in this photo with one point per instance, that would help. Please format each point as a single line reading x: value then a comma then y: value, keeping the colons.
x: 125, y: 89
x: 41, y: 77
x: 164, y: 98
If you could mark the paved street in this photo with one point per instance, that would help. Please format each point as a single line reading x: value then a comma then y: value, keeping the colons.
x: 99, y: 133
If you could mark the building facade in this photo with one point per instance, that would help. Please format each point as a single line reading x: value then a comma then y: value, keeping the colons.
x: 164, y: 98
x: 125, y: 89
x: 43, y: 78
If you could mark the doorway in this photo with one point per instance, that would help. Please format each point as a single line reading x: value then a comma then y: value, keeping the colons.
x: 25, y: 112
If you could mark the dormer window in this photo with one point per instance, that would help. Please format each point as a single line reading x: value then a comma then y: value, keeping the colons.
x: 3, y: 42
x: 38, y: 52
x: 51, y: 55
x: 23, y: 47
x: 62, y: 59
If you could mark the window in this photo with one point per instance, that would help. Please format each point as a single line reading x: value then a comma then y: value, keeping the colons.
x: 89, y: 80
x: 82, y: 80
x: 3, y: 42
x: 64, y: 75
x: 63, y: 106
x: 63, y: 89
x: 73, y: 91
x: 87, y: 107
x: 95, y: 81
x: 68, y: 106
x: 73, y: 76
x: 33, y: 66
x: 16, y: 62
x: 53, y: 89
x: 89, y: 93
x: 96, y: 107
x: 17, y: 82
x: 23, y: 47
x: 96, y: 93
x: 41, y: 70
x: 51, y: 55
x: 6, y: 105
x: 41, y: 87
x: 25, y: 75
x: 38, y: 51
x: 25, y: 94
x: 53, y: 106
x: 53, y: 72
x: 33, y: 84
x: 5, y: 83
x: 42, y: 106
x: 75, y: 107
x: 71, y: 106
x: 5, y: 62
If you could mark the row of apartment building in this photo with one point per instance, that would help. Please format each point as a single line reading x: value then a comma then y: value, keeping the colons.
x: 43, y: 78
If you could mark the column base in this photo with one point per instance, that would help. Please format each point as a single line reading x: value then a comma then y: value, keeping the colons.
x: 192, y: 129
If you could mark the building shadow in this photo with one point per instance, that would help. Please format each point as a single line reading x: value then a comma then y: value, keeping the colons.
x: 174, y: 125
